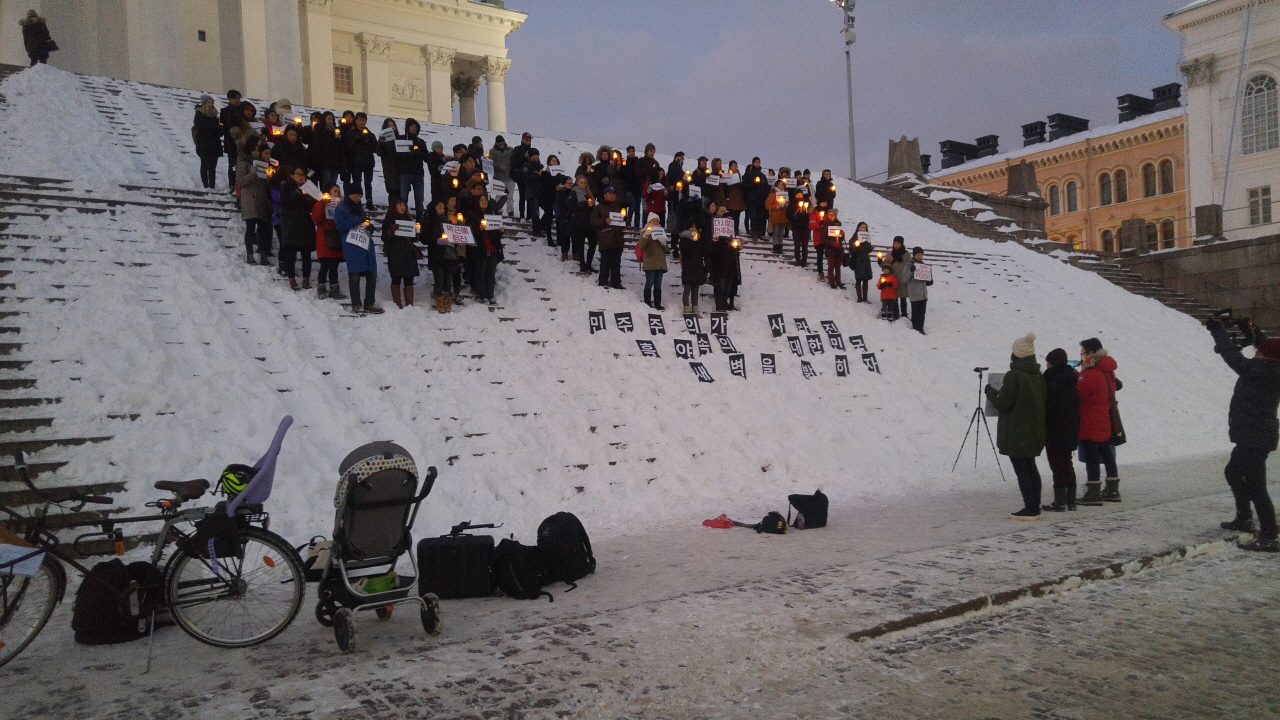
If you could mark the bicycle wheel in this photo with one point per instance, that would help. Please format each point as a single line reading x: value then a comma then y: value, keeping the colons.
x: 245, y: 601
x: 25, y: 606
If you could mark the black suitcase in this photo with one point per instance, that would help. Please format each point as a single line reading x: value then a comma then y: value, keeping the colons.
x: 455, y: 566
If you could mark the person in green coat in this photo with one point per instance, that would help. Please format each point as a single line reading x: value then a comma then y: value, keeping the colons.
x: 1020, y: 431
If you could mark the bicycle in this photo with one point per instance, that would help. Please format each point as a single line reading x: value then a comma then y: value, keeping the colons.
x: 232, y: 599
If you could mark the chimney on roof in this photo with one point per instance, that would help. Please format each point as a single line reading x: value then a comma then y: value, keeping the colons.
x: 1061, y: 126
x: 1167, y: 97
x: 956, y: 153
x: 988, y: 145
x: 1134, y: 106
x: 925, y: 162
x: 1033, y: 133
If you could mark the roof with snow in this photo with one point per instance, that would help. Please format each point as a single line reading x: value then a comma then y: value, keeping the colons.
x: 1191, y: 6
x: 1151, y: 119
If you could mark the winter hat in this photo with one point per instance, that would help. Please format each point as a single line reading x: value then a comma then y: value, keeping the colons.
x: 437, y: 145
x: 609, y: 190
x: 1269, y: 349
x: 499, y: 139
x: 206, y: 98
x: 917, y: 250
x: 1025, y: 346
x: 899, y: 238
x: 352, y: 189
x: 32, y: 13
x: 284, y: 103
x: 652, y: 217
x: 1056, y: 356
x: 1091, y: 345
x: 526, y: 136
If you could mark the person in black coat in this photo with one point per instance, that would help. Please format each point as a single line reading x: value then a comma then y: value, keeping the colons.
x: 755, y: 190
x: 387, y: 154
x: 825, y: 192
x: 1062, y: 427
x: 36, y: 38
x: 1252, y: 425
x: 693, y: 267
x: 409, y: 159
x: 359, y: 147
x: 326, y: 150
x: 859, y: 261
x: 228, y: 117
x: 399, y: 235
x: 290, y: 152
x: 206, y: 133
x: 297, y: 231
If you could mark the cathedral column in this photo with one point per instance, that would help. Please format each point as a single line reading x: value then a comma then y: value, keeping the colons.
x: 317, y: 53
x: 439, y: 86
x: 1202, y: 186
x: 495, y: 73
x: 465, y: 85
x: 375, y: 67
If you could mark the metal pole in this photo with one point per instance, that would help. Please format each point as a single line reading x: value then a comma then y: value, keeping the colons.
x: 848, y: 66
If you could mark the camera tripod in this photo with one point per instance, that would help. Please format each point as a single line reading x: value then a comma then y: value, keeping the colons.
x: 977, y: 436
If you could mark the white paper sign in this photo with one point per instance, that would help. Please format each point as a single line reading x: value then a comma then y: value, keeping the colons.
x: 995, y: 380
x: 459, y: 234
x: 731, y: 179
x: 617, y: 219
x: 486, y: 165
x: 656, y: 187
x: 780, y: 198
x: 310, y: 188
x: 556, y: 170
x: 492, y: 222
x: 804, y: 189
x: 388, y: 134
x: 404, y: 146
x: 722, y: 227
x: 923, y: 272
x: 328, y: 210
x: 695, y: 192
x: 712, y: 180
x: 864, y: 237
x: 450, y: 167
x: 260, y: 166
x: 791, y: 183
x: 404, y: 228
x: 835, y: 231
x: 659, y: 234
x: 359, y: 236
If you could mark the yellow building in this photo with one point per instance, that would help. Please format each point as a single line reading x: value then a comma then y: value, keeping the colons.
x: 1094, y: 180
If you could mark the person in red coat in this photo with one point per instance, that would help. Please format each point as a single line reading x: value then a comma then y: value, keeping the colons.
x: 888, y: 284
x: 330, y: 258
x: 818, y: 229
x: 1097, y: 386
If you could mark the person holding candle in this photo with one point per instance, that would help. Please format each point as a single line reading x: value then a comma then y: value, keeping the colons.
x: 776, y: 204
x: 798, y: 214
x: 900, y: 260
x: 441, y: 258
x: 243, y: 129
x: 654, y: 193
x: 579, y: 204
x: 888, y: 285
x: 399, y: 233
x: 860, y: 261
x: 647, y: 167
x: 473, y: 203
x: 817, y: 230
x: 328, y: 244
x: 544, y: 187
x: 833, y: 244
x: 734, y: 199
x: 755, y: 193
x: 721, y: 261
x: 653, y: 260
x: 693, y: 269
x: 359, y: 145
x: 361, y: 261
x: 289, y: 151
x: 825, y: 192
x: 326, y: 149
x: 255, y: 203
x: 631, y: 188
x: 609, y: 238
x: 297, y: 229
x: 387, y: 154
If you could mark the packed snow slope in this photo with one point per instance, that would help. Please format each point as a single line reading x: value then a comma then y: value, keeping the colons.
x: 523, y: 409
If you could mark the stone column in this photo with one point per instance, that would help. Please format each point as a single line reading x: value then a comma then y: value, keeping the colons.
x: 465, y: 86
x: 317, y: 53
x: 375, y: 68
x: 439, y: 87
x: 1200, y: 74
x: 495, y: 73
x: 253, y: 29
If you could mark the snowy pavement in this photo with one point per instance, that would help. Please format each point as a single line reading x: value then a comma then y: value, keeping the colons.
x: 689, y: 622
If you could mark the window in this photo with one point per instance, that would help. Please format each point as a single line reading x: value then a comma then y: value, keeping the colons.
x: 201, y: 36
x: 1166, y: 177
x: 1260, y: 118
x: 1260, y: 205
x: 1148, y: 180
x: 1153, y: 237
x: 1166, y: 234
x: 1104, y: 189
x: 1108, y: 242
x: 1055, y: 203
x: 1073, y: 197
x: 1122, y: 186
x: 342, y: 82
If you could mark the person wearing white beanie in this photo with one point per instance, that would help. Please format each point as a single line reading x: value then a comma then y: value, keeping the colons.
x: 653, y: 260
x: 1020, y: 431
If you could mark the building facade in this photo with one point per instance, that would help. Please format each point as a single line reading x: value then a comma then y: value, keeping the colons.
x: 387, y: 57
x: 1231, y: 66
x: 1093, y: 181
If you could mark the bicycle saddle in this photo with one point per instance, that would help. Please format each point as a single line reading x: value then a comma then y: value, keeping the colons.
x: 185, y: 489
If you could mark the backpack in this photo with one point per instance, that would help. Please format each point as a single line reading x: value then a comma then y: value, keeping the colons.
x: 106, y: 613
x: 773, y: 523
x: 519, y: 571
x: 566, y: 548
x: 811, y: 511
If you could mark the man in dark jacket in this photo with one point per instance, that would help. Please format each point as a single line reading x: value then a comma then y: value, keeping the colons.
x: 36, y: 38
x: 1020, y: 432
x: 756, y: 189
x: 359, y: 146
x: 411, y: 151
x: 1061, y: 427
x: 228, y: 117
x: 609, y: 238
x: 631, y: 188
x: 676, y: 187
x: 1252, y: 425
x: 518, y: 154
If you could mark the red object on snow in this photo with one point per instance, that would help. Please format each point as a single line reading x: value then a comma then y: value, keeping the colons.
x: 720, y: 522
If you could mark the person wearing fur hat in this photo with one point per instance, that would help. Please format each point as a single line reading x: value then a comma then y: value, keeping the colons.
x: 653, y: 260
x: 1020, y: 431
x: 1253, y: 427
x: 1061, y: 427
x: 1098, y: 385
x: 36, y: 38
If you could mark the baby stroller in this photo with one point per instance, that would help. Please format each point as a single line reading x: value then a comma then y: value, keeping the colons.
x: 377, y: 501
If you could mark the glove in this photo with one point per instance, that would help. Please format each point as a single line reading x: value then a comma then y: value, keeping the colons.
x: 1213, y: 325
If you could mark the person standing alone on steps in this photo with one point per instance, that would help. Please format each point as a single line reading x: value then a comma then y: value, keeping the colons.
x: 1020, y: 430
x: 1253, y: 427
x: 36, y: 38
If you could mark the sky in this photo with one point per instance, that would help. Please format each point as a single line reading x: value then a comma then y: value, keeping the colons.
x: 738, y: 78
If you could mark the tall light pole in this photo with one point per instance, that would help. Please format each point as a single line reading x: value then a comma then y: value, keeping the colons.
x: 849, y: 37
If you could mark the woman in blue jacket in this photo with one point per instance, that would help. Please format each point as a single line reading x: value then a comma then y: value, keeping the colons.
x: 361, y: 260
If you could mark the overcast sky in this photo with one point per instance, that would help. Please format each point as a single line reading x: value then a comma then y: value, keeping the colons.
x: 737, y: 78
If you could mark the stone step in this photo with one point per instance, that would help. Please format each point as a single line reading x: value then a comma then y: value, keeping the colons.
x: 34, y: 470
x: 9, y: 447
x: 21, y: 425
x: 18, y: 498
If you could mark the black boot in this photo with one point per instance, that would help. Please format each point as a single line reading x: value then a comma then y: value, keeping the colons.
x: 1092, y: 493
x: 1111, y: 493
x: 1071, y: 498
x: 1059, y: 500
x: 1240, y: 524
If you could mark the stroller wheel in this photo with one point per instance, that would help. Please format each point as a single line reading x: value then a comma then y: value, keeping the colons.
x: 325, y: 611
x: 344, y: 629
x: 384, y: 613
x: 431, y: 620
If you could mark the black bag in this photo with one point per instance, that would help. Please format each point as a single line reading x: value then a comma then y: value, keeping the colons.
x: 811, y: 511
x: 217, y: 533
x: 773, y: 523
x: 105, y: 611
x: 566, y: 547
x: 519, y: 571
x: 332, y: 239
x: 455, y: 566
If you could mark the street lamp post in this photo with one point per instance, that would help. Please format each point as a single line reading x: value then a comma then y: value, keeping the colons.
x: 849, y: 37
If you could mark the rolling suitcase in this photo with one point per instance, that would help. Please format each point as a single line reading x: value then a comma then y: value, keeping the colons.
x: 456, y: 565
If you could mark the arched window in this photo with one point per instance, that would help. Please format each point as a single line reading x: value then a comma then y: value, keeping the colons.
x: 1153, y: 237
x: 1122, y: 186
x: 1148, y: 180
x: 1104, y: 189
x: 1073, y: 197
x: 1166, y: 177
x: 1108, y: 242
x: 1260, y: 118
x: 1166, y: 234
x: 1055, y: 202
